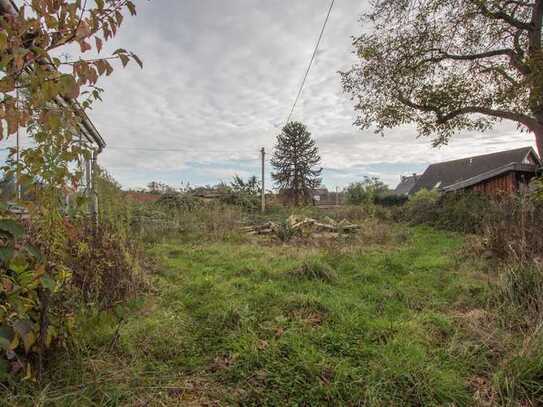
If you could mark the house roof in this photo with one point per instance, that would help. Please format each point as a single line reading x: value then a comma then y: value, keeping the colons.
x: 469, y: 171
x: 529, y: 168
x: 406, y: 185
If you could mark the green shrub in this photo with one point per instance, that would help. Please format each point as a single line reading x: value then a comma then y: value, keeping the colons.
x: 56, y: 261
x: 466, y: 212
x: 29, y: 322
x: 247, y: 201
x: 422, y: 207
x: 365, y: 192
x: 390, y: 199
x: 177, y: 201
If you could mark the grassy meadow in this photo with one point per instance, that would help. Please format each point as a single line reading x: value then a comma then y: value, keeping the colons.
x: 395, y: 317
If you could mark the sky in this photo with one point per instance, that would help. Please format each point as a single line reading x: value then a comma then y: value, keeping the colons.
x: 218, y: 83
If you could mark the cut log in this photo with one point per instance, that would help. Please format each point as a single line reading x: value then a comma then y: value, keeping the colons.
x: 331, y: 227
x: 305, y: 222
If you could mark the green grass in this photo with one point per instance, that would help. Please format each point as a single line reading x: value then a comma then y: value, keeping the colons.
x: 245, y: 324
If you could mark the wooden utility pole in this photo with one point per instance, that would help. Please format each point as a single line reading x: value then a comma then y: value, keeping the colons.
x: 263, y: 193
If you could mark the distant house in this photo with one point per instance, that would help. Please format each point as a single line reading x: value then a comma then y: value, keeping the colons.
x: 406, y: 184
x: 506, y: 171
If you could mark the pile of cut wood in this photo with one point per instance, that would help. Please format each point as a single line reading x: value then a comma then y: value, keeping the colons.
x: 303, y: 225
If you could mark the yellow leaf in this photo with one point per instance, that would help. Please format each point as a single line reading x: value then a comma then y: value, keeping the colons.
x: 28, y: 340
x: 28, y: 375
x: 3, y: 40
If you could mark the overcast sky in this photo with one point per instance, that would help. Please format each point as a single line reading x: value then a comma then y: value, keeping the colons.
x: 219, y: 80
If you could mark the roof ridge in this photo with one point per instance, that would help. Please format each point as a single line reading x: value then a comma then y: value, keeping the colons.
x: 482, y: 155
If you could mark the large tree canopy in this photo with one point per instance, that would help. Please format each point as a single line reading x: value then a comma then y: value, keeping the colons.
x: 449, y: 65
x: 295, y: 160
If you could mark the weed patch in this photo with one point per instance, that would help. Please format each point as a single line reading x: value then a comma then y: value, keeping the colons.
x: 520, y: 380
x: 306, y: 308
x: 520, y: 291
x: 313, y: 270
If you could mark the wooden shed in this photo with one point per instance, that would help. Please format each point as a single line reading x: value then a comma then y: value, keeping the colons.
x: 506, y: 171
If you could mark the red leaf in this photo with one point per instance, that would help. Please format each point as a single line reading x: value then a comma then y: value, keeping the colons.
x: 99, y: 44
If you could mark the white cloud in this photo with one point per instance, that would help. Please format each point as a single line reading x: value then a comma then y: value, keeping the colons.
x: 220, y: 78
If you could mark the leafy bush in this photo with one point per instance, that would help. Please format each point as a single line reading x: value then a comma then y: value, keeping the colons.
x: 177, y: 201
x: 466, y: 212
x: 243, y: 200
x: 365, y: 192
x: 422, y: 207
x: 34, y: 282
x: 25, y: 282
x: 390, y: 199
x: 244, y: 194
x: 53, y: 262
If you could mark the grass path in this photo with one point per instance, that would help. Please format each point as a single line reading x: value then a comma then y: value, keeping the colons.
x: 232, y: 323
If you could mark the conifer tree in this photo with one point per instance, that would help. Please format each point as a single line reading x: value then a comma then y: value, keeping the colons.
x: 296, y: 162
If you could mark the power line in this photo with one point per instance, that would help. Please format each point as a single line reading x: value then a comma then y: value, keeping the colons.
x: 179, y: 150
x: 311, y: 61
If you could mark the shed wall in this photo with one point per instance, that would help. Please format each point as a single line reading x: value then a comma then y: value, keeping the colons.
x: 509, y: 183
x: 502, y: 183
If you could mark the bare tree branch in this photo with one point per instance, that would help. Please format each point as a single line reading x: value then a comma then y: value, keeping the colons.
x: 501, y: 114
x: 514, y: 58
x: 502, y: 15
x: 443, y: 118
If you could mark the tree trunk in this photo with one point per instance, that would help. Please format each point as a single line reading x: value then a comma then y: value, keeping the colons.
x: 6, y: 7
x: 539, y: 141
x: 538, y: 132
